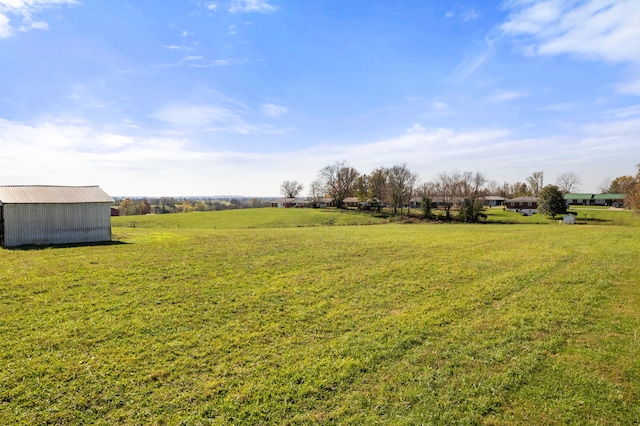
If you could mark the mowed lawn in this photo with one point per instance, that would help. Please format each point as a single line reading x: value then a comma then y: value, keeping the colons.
x: 386, y: 324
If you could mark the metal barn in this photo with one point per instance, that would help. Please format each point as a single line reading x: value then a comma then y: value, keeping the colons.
x: 42, y: 215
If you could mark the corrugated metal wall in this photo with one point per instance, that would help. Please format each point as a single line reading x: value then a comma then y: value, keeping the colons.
x: 56, y: 223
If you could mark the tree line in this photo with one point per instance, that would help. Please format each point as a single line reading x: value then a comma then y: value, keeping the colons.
x: 395, y: 186
x: 163, y: 205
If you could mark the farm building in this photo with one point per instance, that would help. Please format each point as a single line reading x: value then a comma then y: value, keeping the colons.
x: 42, y: 215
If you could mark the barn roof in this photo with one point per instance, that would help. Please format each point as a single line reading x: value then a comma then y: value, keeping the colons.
x: 42, y: 194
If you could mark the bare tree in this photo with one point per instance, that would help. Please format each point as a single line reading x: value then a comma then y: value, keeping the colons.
x: 379, y: 186
x: 493, y: 187
x: 535, y: 183
x: 446, y: 190
x: 291, y: 188
x: 401, y: 183
x: 317, y: 191
x: 426, y: 189
x: 468, y: 188
x: 339, y: 180
x: 519, y: 189
x: 568, y: 182
x: 605, y: 185
x: 470, y: 184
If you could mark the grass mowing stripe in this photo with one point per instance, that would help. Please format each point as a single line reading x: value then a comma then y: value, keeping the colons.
x: 388, y: 324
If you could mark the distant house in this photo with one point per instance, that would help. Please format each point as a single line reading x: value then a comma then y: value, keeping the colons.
x: 42, y: 215
x: 612, y: 200
x: 370, y: 203
x: 289, y: 203
x: 579, y: 199
x: 351, y: 202
x: 115, y: 212
x: 415, y: 202
x: 324, y: 202
x: 455, y: 203
x: 492, y: 200
x: 525, y: 205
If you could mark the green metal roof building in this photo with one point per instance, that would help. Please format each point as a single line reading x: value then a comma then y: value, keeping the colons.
x: 614, y: 200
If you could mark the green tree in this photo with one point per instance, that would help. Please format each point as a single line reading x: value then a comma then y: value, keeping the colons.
x: 126, y: 207
x: 633, y: 193
x: 426, y: 208
x: 186, y: 206
x: 622, y: 184
x: 201, y: 206
x: 472, y: 210
x: 551, y: 201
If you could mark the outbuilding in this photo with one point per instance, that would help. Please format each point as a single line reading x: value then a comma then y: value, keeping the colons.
x: 42, y: 215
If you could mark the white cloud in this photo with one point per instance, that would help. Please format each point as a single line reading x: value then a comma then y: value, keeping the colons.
x: 562, y: 106
x: 5, y: 26
x: 72, y: 152
x: 212, y: 6
x: 34, y: 26
x: 194, y: 61
x: 505, y: 96
x: 473, y: 60
x: 214, y: 63
x: 417, y: 127
x: 630, y: 87
x: 627, y: 112
x: 469, y: 15
x: 598, y: 30
x: 466, y: 15
x: 260, y: 6
x: 228, y: 118
x: 440, y: 106
x: 272, y: 110
x: 195, y: 116
x: 26, y: 9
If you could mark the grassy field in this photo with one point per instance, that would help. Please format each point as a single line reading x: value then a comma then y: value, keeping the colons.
x: 192, y: 320
x: 251, y: 218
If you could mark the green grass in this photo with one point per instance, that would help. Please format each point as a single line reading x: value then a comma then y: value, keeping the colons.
x: 595, y: 216
x: 390, y: 324
x: 250, y: 218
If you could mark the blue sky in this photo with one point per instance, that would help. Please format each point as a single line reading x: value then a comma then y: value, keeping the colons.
x: 235, y: 96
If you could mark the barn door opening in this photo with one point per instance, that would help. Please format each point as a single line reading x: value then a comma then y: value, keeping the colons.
x: 1, y: 226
